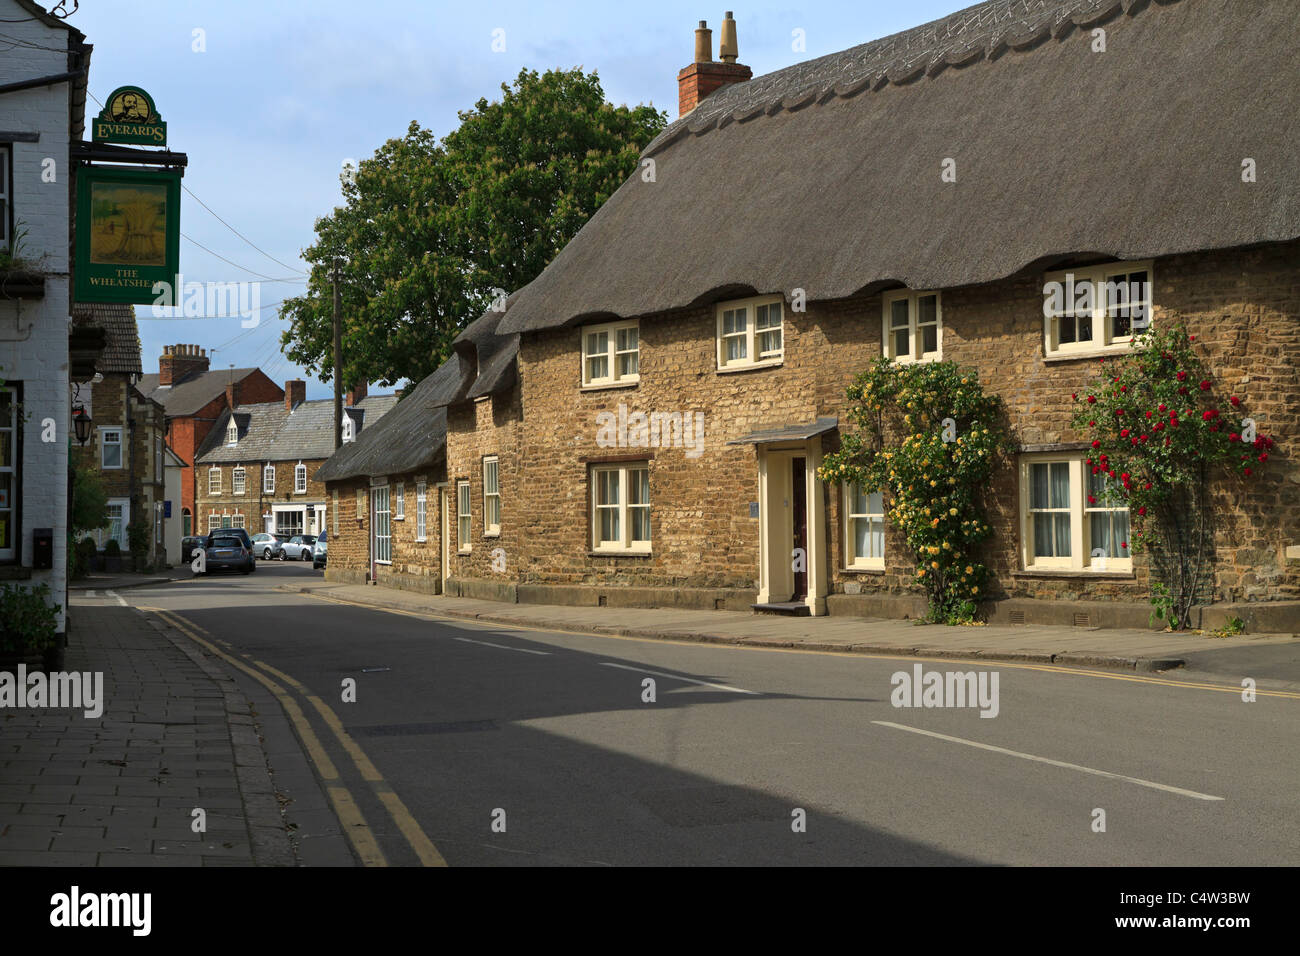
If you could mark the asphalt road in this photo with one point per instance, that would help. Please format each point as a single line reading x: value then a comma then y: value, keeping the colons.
x: 548, y: 733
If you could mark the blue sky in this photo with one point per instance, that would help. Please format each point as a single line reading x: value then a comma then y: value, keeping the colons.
x: 286, y: 90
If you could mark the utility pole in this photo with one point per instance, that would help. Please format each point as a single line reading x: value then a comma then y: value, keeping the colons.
x: 338, y: 360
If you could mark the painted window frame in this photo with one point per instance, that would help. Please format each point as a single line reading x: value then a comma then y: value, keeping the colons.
x: 492, y: 499
x: 214, y: 522
x: 852, y: 560
x: 1103, y: 339
x: 238, y: 480
x: 334, y: 512
x: 232, y: 432
x: 214, y: 480
x: 268, y: 479
x: 399, y: 502
x: 383, y: 530
x: 612, y: 356
x: 300, y: 479
x: 1080, y: 512
x: 237, y: 520
x: 916, y: 351
x: 10, y: 426
x: 621, y: 509
x: 105, y: 444
x: 103, y: 535
x: 421, y: 511
x: 464, y: 517
x: 6, y: 195
x: 362, y: 503
x: 749, y: 336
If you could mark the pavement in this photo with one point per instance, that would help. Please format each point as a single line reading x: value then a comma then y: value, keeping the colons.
x: 102, y: 581
x: 177, y: 734
x: 1143, y: 650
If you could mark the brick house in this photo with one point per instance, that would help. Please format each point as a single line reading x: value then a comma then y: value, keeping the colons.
x: 195, y: 398
x: 256, y: 468
x: 396, y: 508
x: 682, y: 363
x: 127, y: 446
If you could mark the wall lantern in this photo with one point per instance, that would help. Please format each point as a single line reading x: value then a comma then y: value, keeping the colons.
x: 83, y: 423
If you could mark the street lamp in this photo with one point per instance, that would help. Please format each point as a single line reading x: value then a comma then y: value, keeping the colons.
x: 83, y: 423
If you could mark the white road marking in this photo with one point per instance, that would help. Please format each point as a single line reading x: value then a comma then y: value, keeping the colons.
x: 116, y: 597
x: 1055, y: 763
x: 522, y: 650
x: 689, y: 680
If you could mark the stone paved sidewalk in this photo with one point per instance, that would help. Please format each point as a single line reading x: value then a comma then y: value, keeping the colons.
x: 1096, y: 647
x: 175, y: 734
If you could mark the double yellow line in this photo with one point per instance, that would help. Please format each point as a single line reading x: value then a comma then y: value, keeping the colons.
x: 345, y: 807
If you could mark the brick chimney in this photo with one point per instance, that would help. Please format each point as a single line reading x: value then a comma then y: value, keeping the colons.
x: 295, y: 391
x: 232, y: 395
x: 357, y: 393
x: 178, y: 361
x: 704, y: 76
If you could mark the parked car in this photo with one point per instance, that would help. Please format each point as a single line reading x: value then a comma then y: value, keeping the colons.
x: 318, y: 554
x: 243, y: 536
x: 190, y: 544
x: 224, y: 550
x: 298, y: 548
x: 267, y: 545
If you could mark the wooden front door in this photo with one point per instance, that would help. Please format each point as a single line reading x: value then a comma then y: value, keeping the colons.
x: 799, y: 517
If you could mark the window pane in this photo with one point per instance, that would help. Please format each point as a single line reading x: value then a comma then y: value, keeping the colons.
x: 857, y: 501
x: 490, y: 477
x: 1038, y: 481
x: 640, y: 518
x: 876, y: 503
x: 638, y: 485
x: 737, y: 348
x: 609, y: 524
x: 597, y: 367
x: 927, y: 309
x: 608, y: 487
x: 898, y: 314
x: 597, y: 343
x: 930, y: 338
x: 1060, y: 484
x: 627, y: 339
x: 629, y: 364
x: 902, y: 344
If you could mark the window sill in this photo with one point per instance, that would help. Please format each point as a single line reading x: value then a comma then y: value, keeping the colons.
x: 421, y: 540
x: 620, y: 554
x: 491, y: 534
x: 879, y: 570
x: 399, y: 517
x: 753, y: 366
x: 1071, y: 573
x: 1052, y: 357
x: 606, y: 386
x: 464, y: 551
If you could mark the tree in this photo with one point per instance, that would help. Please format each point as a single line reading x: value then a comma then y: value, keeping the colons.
x: 433, y: 231
x: 930, y: 437
x: 1159, y: 434
x: 89, y: 501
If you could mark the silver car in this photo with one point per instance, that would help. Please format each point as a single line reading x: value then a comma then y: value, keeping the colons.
x: 267, y: 545
x: 297, y: 548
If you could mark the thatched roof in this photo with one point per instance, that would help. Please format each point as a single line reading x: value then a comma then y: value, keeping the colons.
x: 825, y: 176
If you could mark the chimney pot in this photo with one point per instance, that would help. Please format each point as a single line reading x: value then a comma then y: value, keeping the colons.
x: 727, y: 47
x: 704, y: 43
x: 295, y: 392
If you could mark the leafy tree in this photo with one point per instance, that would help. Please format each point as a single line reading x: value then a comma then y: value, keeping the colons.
x: 432, y: 229
x: 1159, y: 434
x: 89, y: 501
x: 930, y: 438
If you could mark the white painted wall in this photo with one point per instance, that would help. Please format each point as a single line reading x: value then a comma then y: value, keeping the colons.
x: 34, y: 334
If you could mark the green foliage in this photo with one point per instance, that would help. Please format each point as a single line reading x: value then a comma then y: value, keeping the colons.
x: 89, y: 500
x: 1159, y: 431
x: 13, y: 258
x: 1162, y: 605
x: 1231, y: 628
x: 137, y: 536
x: 935, y: 477
x: 28, y: 622
x: 430, y: 228
x: 112, y: 549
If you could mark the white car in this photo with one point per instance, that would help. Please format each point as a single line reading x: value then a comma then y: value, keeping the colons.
x: 297, y: 548
x: 266, y: 545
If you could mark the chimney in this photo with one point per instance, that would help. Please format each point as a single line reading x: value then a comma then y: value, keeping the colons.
x: 357, y: 393
x: 295, y: 391
x: 704, y: 76
x: 178, y: 361
x: 232, y: 395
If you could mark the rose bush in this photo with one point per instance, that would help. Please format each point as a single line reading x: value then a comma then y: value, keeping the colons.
x: 1159, y: 430
x: 929, y: 437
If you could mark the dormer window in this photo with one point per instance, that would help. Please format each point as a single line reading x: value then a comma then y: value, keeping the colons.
x: 611, y: 354
x: 232, y: 431
x: 751, y: 333
x: 349, y: 430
